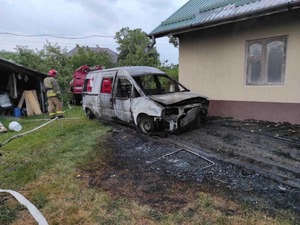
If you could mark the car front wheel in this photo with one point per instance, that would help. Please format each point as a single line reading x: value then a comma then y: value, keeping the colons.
x: 146, y: 124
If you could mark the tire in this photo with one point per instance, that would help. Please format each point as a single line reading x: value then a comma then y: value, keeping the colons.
x: 198, y: 121
x: 204, y: 114
x: 89, y: 114
x: 77, y: 101
x: 146, y: 124
x: 201, y: 118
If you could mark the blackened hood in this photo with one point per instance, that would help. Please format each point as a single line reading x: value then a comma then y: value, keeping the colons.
x: 177, y: 97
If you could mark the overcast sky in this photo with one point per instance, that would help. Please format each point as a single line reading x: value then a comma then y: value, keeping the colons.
x: 82, y: 18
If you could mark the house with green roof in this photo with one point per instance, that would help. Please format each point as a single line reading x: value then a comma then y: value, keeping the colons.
x: 243, y: 54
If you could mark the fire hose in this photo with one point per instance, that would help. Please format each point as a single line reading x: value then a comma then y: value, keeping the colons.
x: 20, y: 135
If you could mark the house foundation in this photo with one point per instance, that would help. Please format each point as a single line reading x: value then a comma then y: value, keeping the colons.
x: 266, y: 111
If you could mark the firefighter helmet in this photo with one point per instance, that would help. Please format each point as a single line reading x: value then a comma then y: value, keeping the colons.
x: 52, y: 73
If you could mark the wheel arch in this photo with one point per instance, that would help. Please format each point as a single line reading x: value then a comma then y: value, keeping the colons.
x: 146, y: 123
x: 89, y: 113
x: 139, y: 116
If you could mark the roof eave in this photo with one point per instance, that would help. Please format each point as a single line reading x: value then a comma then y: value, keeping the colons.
x: 21, y: 69
x: 234, y: 19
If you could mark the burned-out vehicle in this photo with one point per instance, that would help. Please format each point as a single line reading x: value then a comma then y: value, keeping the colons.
x: 143, y: 96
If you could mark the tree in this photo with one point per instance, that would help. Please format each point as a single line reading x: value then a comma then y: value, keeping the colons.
x: 171, y: 70
x: 131, y: 48
x: 174, y: 41
x: 50, y: 57
x: 8, y: 55
x: 85, y: 56
x: 54, y: 57
x: 27, y: 57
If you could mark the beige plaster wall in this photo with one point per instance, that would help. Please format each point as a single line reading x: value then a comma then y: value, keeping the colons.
x: 212, y: 62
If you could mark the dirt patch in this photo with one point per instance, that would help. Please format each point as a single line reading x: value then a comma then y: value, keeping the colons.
x: 252, y: 162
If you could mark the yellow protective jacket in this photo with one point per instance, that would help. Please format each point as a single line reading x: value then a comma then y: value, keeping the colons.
x: 52, y: 87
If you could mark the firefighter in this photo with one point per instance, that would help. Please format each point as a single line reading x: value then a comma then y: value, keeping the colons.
x: 55, y: 105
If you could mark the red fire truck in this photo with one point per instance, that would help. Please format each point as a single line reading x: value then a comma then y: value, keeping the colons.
x: 76, y: 83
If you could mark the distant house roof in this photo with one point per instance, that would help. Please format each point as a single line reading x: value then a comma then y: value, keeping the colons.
x: 8, y: 66
x: 199, y: 14
x: 113, y: 55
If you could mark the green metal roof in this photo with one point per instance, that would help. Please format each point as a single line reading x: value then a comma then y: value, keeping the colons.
x: 201, y: 13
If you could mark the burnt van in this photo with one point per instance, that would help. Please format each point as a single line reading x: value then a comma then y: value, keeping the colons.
x: 142, y: 96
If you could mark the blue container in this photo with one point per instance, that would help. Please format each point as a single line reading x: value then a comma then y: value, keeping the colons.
x: 17, y: 112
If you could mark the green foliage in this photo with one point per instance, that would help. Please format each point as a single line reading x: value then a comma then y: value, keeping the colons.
x: 171, y: 70
x: 27, y: 57
x: 8, y: 55
x: 132, y: 44
x: 131, y: 48
x: 52, y: 56
x: 56, y: 58
x: 85, y: 56
x: 174, y: 41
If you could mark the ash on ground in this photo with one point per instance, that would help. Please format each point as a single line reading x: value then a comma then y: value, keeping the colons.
x: 252, y: 162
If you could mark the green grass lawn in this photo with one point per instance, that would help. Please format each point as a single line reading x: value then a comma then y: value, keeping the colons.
x: 45, y: 160
x: 43, y: 166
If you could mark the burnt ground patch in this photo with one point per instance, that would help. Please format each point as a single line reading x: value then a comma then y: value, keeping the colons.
x: 252, y: 164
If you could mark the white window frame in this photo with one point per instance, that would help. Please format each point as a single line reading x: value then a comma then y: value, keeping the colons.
x: 263, y: 61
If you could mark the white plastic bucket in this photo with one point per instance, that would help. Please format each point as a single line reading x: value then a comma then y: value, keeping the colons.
x: 15, y: 126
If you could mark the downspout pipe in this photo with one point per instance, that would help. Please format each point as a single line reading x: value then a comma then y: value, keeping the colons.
x: 151, y: 44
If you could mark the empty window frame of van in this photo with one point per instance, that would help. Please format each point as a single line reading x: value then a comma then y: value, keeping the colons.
x: 124, y: 88
x: 266, y: 60
x: 88, y: 85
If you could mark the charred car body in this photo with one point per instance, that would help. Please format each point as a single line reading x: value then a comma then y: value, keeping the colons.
x: 143, y: 96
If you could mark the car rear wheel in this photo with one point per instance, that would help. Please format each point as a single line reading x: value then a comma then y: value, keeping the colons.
x: 89, y: 114
x: 77, y: 101
x: 146, y: 124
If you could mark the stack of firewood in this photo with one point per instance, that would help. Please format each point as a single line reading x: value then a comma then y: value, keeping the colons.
x: 31, y: 101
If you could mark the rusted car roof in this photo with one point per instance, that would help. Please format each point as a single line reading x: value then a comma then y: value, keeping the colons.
x: 197, y: 14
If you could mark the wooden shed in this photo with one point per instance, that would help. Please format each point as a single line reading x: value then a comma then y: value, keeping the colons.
x: 24, y: 87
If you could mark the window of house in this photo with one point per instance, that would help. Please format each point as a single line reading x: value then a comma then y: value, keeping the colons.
x: 266, y: 59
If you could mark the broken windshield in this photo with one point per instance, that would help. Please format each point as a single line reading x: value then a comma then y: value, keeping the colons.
x: 157, y: 84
